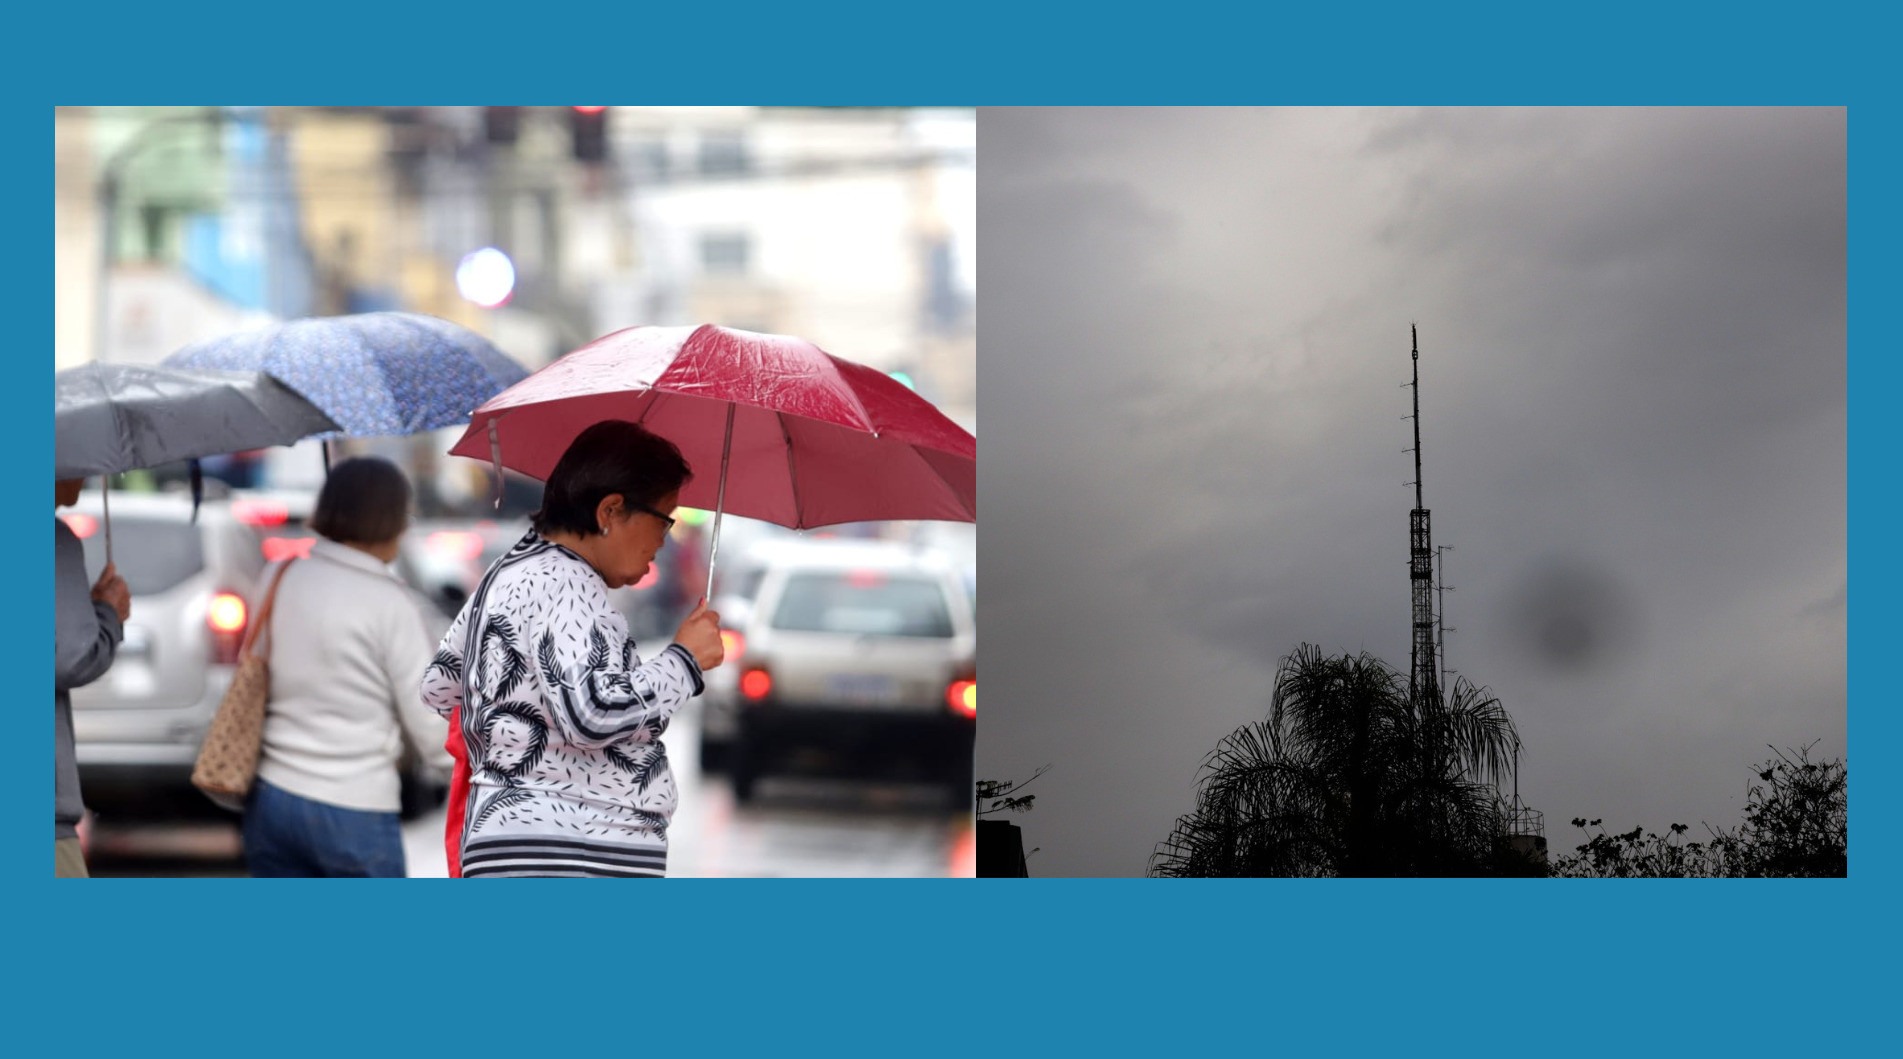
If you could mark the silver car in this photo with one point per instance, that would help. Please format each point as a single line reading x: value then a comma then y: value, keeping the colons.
x: 137, y: 729
x: 858, y: 659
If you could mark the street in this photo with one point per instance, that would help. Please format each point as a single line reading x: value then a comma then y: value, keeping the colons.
x: 796, y: 828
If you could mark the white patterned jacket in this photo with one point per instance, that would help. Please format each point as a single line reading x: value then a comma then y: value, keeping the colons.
x: 562, y: 722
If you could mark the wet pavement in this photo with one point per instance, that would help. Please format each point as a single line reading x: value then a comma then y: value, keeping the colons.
x: 794, y: 827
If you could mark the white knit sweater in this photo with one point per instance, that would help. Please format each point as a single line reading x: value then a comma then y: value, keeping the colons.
x: 348, y: 649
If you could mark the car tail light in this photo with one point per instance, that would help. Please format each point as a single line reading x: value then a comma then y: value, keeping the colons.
x: 83, y: 526
x: 226, y: 618
x: 963, y: 858
x: 756, y: 684
x: 734, y: 644
x: 278, y: 549
x: 962, y: 697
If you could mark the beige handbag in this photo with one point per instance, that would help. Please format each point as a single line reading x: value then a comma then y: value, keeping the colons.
x: 228, y: 760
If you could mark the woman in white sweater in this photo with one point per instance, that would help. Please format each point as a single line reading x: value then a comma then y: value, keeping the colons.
x: 347, y: 650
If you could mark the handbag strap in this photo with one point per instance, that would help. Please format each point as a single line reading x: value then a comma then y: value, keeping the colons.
x: 263, y: 622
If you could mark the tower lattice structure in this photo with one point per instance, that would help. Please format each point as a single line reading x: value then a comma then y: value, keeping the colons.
x: 1424, y: 671
x: 1522, y: 828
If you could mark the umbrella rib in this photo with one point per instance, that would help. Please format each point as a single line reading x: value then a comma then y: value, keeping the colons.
x: 792, y: 471
x: 254, y: 397
x: 949, y: 487
x: 854, y: 394
x: 121, y: 425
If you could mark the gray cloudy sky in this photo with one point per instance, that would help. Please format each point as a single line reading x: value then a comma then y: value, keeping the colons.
x: 1194, y: 335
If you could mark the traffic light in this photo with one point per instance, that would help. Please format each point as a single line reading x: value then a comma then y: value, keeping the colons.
x: 589, y: 129
x: 500, y: 124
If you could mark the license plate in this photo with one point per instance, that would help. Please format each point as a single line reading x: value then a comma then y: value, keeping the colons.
x: 863, y: 689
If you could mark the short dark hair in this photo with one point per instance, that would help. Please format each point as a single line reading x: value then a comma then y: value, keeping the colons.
x: 613, y: 456
x: 365, y: 500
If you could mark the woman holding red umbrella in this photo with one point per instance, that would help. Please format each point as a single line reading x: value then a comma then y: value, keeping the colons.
x: 560, y: 717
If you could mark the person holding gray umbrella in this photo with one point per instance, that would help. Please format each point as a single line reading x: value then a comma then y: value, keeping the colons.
x: 109, y: 418
x: 88, y: 625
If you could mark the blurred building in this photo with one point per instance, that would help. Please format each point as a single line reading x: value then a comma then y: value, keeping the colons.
x: 852, y: 227
x: 163, y: 231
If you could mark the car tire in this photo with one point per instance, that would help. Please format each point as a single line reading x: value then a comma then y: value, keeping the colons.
x: 960, y: 787
x: 743, y: 768
x: 743, y: 783
x: 958, y: 794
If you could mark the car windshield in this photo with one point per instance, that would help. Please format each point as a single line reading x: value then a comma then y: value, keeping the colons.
x: 863, y: 603
x: 152, y: 554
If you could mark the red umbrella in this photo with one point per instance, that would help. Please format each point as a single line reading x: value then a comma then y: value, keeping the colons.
x: 802, y: 438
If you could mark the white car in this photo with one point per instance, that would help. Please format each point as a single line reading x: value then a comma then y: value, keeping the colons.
x: 856, y: 658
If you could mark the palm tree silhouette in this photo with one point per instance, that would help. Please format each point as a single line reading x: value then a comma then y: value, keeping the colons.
x: 1348, y: 776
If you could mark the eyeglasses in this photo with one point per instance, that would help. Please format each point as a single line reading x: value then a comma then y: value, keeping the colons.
x: 668, y: 519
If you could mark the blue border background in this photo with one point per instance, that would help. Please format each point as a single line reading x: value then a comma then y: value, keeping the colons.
x: 953, y: 967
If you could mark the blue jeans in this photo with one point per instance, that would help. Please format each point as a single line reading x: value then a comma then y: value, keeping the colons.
x: 288, y: 836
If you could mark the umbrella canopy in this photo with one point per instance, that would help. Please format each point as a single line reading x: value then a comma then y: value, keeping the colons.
x: 109, y: 418
x: 376, y: 374
x: 814, y: 440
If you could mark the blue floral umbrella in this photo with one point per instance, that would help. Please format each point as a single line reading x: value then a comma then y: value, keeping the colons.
x: 377, y: 374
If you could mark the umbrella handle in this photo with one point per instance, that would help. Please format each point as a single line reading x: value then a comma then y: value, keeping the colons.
x: 720, y: 504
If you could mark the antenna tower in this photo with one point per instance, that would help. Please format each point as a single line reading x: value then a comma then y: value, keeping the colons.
x: 1424, y: 672
x: 1523, y: 828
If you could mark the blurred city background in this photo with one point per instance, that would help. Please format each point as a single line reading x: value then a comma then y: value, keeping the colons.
x: 540, y: 228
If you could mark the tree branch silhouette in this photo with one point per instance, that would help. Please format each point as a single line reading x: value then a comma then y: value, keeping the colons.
x: 1001, y: 793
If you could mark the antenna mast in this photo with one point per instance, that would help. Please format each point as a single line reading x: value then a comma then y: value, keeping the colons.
x: 1424, y: 671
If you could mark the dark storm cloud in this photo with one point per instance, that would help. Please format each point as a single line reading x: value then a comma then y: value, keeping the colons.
x: 1633, y: 425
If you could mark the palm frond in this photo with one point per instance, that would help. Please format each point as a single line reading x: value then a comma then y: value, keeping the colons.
x: 1348, y: 775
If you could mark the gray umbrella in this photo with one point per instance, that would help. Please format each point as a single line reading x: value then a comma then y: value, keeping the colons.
x: 109, y: 418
